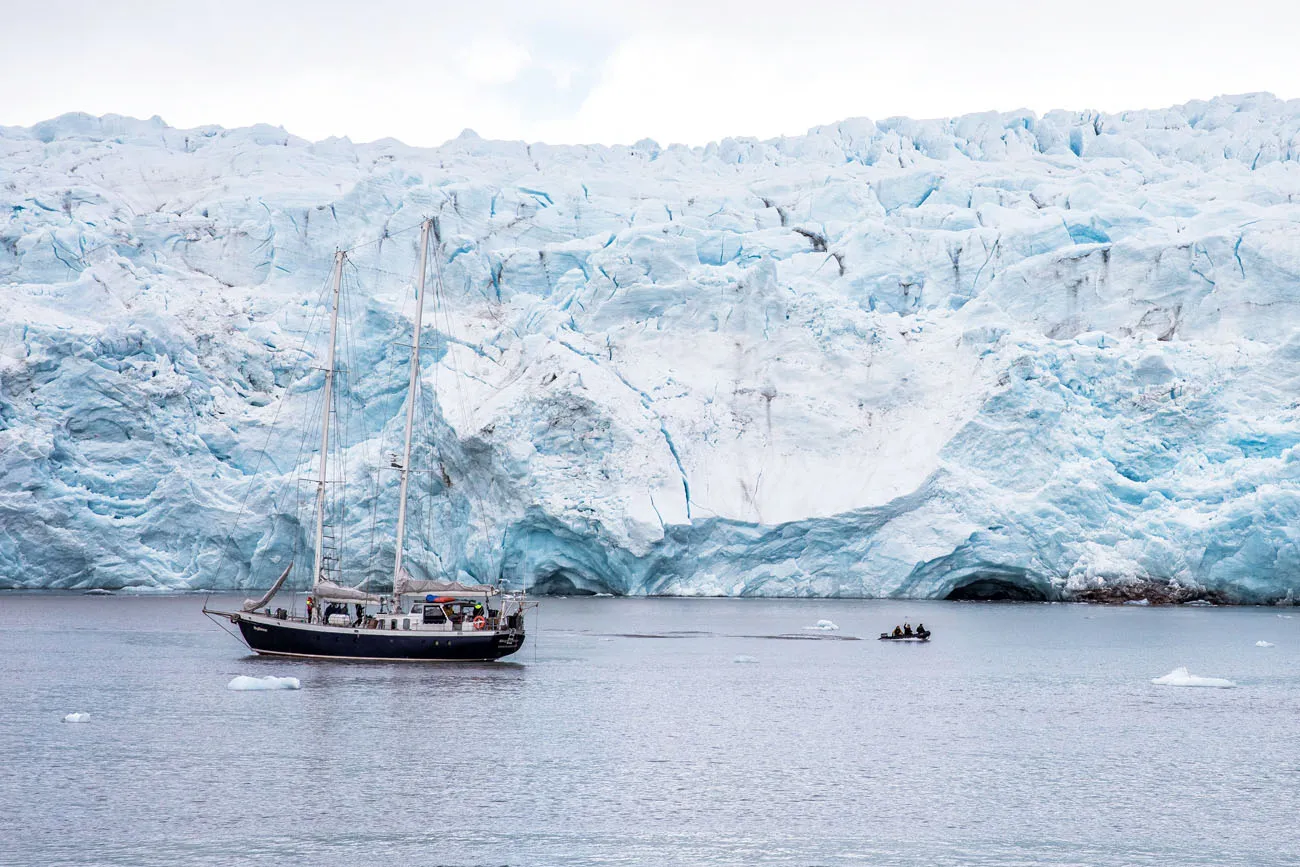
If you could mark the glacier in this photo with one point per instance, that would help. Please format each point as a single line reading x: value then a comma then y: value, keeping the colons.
x: 1041, y: 357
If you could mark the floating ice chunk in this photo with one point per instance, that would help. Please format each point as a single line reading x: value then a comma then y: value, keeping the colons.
x: 77, y: 718
x: 1263, y: 644
x: 1138, y: 602
x: 1180, y: 677
x: 744, y: 659
x: 824, y: 626
x: 243, y: 682
x: 1285, y: 616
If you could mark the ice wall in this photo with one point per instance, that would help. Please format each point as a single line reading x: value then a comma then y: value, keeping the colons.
x: 1054, y: 354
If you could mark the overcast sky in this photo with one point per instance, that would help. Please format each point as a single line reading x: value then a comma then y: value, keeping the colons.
x: 673, y: 70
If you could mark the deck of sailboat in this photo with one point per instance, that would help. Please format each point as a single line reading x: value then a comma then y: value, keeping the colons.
x: 384, y: 623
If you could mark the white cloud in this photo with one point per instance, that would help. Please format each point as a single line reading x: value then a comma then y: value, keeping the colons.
x: 581, y: 70
x: 493, y: 60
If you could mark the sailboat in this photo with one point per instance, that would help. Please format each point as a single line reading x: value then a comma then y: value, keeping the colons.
x: 421, y: 620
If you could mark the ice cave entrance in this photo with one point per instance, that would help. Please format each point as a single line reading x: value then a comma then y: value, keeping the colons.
x: 1000, y: 588
x: 562, y: 583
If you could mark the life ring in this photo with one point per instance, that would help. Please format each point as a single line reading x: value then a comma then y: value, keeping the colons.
x: 480, y: 622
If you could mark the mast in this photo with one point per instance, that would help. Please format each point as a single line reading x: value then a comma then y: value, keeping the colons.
x: 336, y: 283
x: 410, y: 402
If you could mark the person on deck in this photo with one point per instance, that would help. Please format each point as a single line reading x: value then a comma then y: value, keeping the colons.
x: 920, y: 629
x: 907, y: 629
x: 898, y: 632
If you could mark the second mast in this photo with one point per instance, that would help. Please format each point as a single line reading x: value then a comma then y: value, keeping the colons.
x: 410, y: 403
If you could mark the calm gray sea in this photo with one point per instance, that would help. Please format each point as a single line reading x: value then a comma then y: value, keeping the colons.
x: 659, y: 732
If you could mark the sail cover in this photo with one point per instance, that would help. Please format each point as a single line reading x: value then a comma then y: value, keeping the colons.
x: 253, y: 604
x: 406, y: 584
x: 329, y: 590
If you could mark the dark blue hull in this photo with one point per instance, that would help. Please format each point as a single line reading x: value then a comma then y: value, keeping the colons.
x: 288, y: 638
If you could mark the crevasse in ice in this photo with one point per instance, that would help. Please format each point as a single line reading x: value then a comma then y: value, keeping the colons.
x: 884, y: 358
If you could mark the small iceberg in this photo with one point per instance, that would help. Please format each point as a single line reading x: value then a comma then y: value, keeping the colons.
x: 98, y: 591
x: 1181, y: 677
x: 1142, y: 602
x: 245, y: 683
x: 1263, y: 644
x: 823, y: 626
x: 742, y: 658
x: 77, y: 718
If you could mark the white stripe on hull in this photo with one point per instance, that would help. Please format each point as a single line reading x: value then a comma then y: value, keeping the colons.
x: 367, y: 658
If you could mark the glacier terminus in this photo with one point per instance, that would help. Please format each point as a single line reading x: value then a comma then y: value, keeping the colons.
x: 1039, y: 357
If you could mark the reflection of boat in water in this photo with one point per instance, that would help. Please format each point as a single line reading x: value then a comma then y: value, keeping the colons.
x: 421, y: 620
x: 923, y: 635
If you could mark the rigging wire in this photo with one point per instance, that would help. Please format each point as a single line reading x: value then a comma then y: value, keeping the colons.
x: 388, y: 233
x: 382, y: 432
x: 314, y: 399
x: 369, y: 466
x: 350, y: 355
x: 374, y: 467
x: 377, y: 270
x: 338, y: 410
x: 410, y: 297
x: 434, y: 406
x: 476, y: 501
x: 430, y: 433
x: 261, y: 455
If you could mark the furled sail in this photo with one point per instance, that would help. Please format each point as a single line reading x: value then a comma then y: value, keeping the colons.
x: 329, y: 590
x: 253, y: 604
x: 406, y: 584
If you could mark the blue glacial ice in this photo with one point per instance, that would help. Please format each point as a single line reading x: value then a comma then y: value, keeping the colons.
x: 903, y: 358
